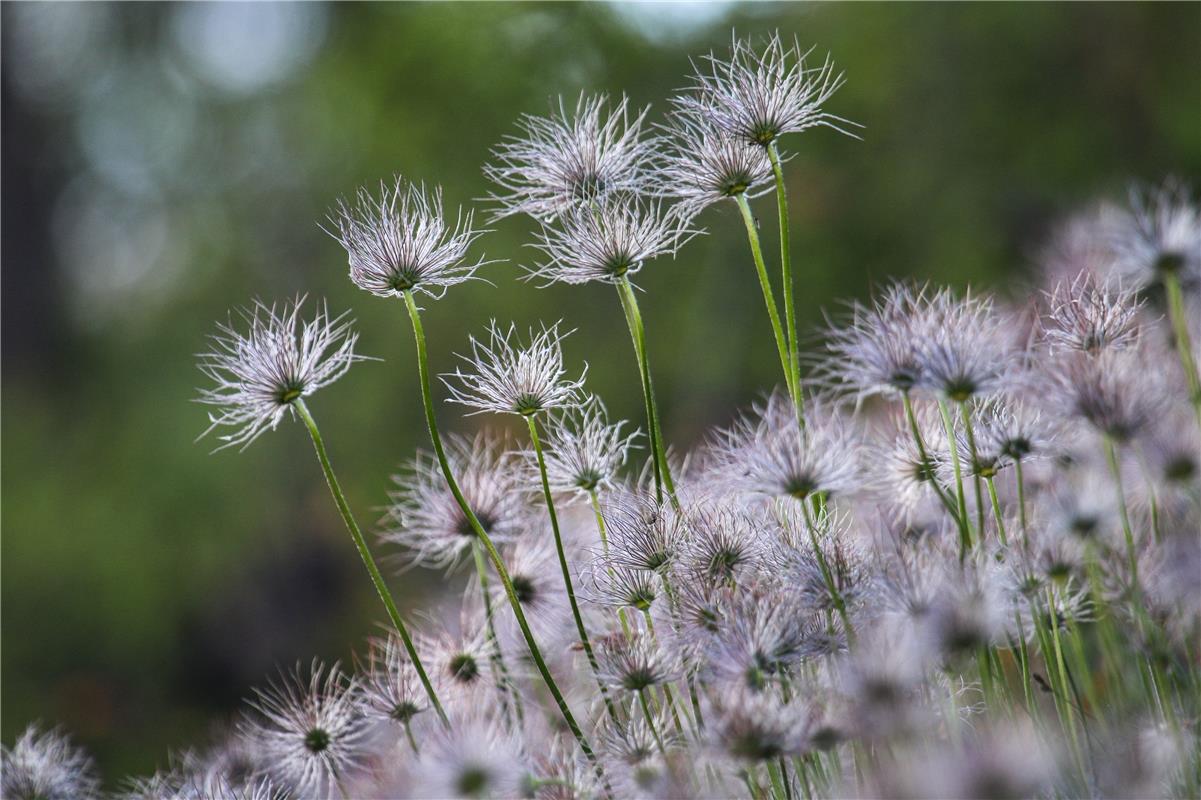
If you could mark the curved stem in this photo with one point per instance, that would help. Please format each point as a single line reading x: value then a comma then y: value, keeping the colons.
x: 361, y: 544
x: 662, y: 470
x: 554, y: 525
x: 497, y: 563
x: 996, y: 510
x: 786, y: 277
x: 769, y: 298
x: 1184, y: 345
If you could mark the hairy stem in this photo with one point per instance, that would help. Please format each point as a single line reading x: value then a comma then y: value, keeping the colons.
x: 361, y: 544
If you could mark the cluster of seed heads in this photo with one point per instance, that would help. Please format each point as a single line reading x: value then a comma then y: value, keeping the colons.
x: 963, y: 561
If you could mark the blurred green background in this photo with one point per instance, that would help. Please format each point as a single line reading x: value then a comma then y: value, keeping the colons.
x: 164, y: 162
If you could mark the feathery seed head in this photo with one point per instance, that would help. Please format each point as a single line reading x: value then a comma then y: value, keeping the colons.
x: 400, y: 241
x: 46, y: 766
x: 390, y: 687
x: 583, y: 452
x: 507, y: 377
x: 476, y: 757
x: 634, y: 661
x: 1160, y: 233
x: 609, y: 239
x: 261, y: 373
x: 643, y: 534
x: 310, y: 729
x: 767, y: 453
x: 703, y: 165
x: 756, y: 726
x: 424, y: 517
x: 878, y: 350
x: 571, y: 159
x: 1090, y: 316
x: 757, y: 96
x: 965, y: 352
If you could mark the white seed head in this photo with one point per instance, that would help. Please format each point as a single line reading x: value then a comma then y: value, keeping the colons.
x: 509, y: 377
x: 571, y: 159
x: 310, y: 729
x: 759, y: 95
x: 583, y: 452
x: 608, y: 240
x: 1159, y: 233
x: 424, y: 517
x: 1088, y: 315
x: 259, y: 374
x: 400, y: 241
x: 45, y: 765
x: 702, y: 165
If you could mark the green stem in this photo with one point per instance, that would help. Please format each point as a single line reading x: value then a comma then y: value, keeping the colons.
x: 554, y: 525
x: 769, y: 299
x: 500, y: 671
x: 965, y: 535
x: 650, y: 721
x: 1184, y: 345
x: 975, y: 454
x: 927, y: 464
x: 835, y: 595
x: 662, y: 470
x: 996, y: 510
x: 359, y: 542
x: 1111, y: 456
x: 497, y: 563
x: 786, y: 276
x: 1021, y: 481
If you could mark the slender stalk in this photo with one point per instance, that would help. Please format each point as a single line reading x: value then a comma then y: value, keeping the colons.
x: 1184, y: 345
x: 769, y: 298
x: 650, y: 720
x: 412, y: 740
x: 835, y: 595
x: 996, y: 510
x: 965, y: 533
x: 497, y: 563
x: 554, y: 525
x: 500, y: 671
x: 1111, y: 456
x: 975, y: 454
x: 927, y: 464
x: 365, y: 553
x: 1021, y: 481
x: 629, y: 304
x: 790, y: 322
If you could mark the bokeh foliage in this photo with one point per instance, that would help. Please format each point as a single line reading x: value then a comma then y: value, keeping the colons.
x: 155, y: 181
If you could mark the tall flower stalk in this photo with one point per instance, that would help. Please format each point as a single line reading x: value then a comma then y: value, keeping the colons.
x: 263, y: 376
x: 493, y: 554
